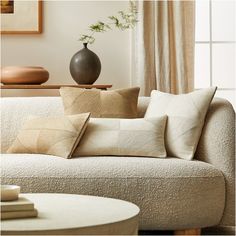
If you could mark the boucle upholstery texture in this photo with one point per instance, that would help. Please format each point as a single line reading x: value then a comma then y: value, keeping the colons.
x: 217, y: 147
x: 216, y: 144
x: 186, y: 116
x: 15, y: 111
x: 119, y: 103
x: 52, y: 135
x: 123, y: 137
x: 171, y: 193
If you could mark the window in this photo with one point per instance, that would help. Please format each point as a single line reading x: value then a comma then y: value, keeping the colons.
x: 215, y: 47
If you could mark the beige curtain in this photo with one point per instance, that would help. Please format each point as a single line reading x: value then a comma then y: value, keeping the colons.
x: 164, y: 46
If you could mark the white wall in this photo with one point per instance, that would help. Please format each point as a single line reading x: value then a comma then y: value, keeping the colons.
x: 63, y: 22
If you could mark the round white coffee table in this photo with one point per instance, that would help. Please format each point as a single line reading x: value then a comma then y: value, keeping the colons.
x: 76, y: 214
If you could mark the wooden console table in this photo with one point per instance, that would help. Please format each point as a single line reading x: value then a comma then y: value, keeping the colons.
x: 86, y: 86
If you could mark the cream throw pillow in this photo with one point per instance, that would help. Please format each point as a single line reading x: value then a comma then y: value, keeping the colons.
x: 57, y: 136
x: 123, y: 137
x: 120, y: 103
x: 186, y: 114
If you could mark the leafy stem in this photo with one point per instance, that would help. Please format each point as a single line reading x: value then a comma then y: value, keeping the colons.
x: 122, y: 21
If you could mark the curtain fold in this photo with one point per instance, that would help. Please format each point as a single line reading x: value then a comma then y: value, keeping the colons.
x: 164, y: 46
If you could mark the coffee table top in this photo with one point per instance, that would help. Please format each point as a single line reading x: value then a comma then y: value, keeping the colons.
x: 69, y: 211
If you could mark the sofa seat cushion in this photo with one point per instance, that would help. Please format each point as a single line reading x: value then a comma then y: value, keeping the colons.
x: 171, y: 193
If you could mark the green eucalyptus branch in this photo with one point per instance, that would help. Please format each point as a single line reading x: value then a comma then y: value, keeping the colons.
x: 122, y: 21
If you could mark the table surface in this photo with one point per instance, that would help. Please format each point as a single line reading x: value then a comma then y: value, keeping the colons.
x: 56, y: 86
x: 70, y: 211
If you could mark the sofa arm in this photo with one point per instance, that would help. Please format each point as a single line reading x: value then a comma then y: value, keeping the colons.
x: 217, y: 147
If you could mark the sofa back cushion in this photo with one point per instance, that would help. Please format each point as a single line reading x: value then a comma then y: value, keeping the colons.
x: 15, y: 110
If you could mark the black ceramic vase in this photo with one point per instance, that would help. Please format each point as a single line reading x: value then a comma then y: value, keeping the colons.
x: 85, y: 66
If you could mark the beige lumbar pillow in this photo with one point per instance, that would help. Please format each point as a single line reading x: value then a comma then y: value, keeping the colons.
x: 186, y: 114
x: 120, y: 103
x: 56, y: 136
x: 123, y: 137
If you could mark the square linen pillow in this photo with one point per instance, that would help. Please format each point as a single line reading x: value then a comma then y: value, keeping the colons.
x: 186, y: 115
x: 56, y: 136
x: 120, y: 103
x: 123, y: 137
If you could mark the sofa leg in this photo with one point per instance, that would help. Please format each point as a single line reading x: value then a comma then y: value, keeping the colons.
x: 188, y: 232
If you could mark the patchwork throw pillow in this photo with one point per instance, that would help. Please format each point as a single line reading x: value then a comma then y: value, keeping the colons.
x: 123, y: 137
x: 120, y: 103
x: 57, y: 136
x: 186, y: 115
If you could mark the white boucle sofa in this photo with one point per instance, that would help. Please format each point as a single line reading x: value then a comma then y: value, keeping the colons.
x: 171, y: 193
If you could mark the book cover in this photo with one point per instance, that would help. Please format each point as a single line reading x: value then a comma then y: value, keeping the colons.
x: 22, y: 204
x: 18, y: 214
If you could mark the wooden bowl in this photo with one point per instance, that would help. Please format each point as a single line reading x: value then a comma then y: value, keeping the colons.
x: 9, y: 192
x: 23, y: 75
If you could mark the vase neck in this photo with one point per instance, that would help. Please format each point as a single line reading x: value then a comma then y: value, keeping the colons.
x: 85, y: 45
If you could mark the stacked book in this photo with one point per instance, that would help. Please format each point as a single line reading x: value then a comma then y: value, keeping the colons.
x: 21, y: 208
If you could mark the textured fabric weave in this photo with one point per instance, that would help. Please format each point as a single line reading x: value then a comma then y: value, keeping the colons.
x: 171, y: 193
x: 57, y: 136
x: 216, y: 146
x: 123, y: 137
x: 186, y: 116
x: 120, y: 103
